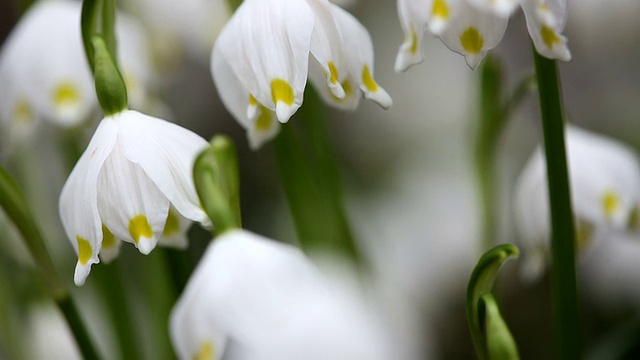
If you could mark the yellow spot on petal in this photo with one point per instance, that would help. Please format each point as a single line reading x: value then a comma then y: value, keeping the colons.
x: 65, y: 94
x: 471, y: 40
x: 172, y: 225
x: 206, y: 352
x: 549, y: 36
x: 333, y: 71
x: 610, y: 203
x: 281, y: 91
x: 84, y: 250
x: 348, y: 91
x: 139, y: 227
x: 252, y: 100
x: 264, y: 122
x: 414, y: 40
x: 108, y: 240
x: 367, y: 79
x: 440, y: 9
x: 22, y: 113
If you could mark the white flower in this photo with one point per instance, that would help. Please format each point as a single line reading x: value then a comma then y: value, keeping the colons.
x: 605, y: 191
x: 260, y: 61
x: 132, y: 183
x: 44, y: 73
x: 473, y: 27
x: 254, y: 298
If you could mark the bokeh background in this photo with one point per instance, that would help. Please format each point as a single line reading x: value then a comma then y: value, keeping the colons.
x: 411, y: 194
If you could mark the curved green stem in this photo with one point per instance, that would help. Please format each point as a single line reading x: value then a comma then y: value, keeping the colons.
x: 563, y: 267
x: 15, y: 206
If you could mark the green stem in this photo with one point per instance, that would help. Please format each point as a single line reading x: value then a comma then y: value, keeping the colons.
x: 563, y: 268
x: 311, y: 180
x: 88, y: 22
x: 15, y: 206
x: 108, y: 27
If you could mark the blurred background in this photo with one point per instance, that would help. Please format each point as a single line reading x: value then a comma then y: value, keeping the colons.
x: 410, y: 188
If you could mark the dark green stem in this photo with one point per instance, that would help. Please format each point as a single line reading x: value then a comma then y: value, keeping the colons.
x: 88, y: 23
x: 15, y: 206
x: 563, y: 267
x: 311, y: 180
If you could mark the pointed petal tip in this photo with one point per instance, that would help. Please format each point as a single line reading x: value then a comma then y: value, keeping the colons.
x: 284, y: 112
x: 146, y: 245
x: 82, y: 271
x: 337, y: 90
x: 406, y: 59
x: 381, y: 97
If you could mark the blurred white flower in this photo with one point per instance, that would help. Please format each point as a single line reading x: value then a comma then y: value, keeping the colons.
x: 473, y: 27
x: 254, y: 298
x: 605, y: 193
x: 181, y: 26
x: 132, y: 183
x: 44, y: 74
x: 260, y: 61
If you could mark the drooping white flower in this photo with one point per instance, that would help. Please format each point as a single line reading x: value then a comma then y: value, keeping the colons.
x: 44, y: 73
x: 605, y: 192
x: 132, y: 183
x: 472, y: 27
x: 254, y: 298
x: 261, y: 61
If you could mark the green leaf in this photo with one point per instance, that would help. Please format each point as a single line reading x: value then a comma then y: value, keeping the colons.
x: 500, y: 343
x: 481, y: 283
x: 217, y: 182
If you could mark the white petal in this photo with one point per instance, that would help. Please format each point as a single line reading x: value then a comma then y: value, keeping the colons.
x: 326, y: 47
x: 79, y: 197
x: 358, y: 52
x: 166, y: 152
x: 413, y: 24
x: 546, y: 31
x: 110, y: 246
x: 263, y: 125
x: 352, y: 94
x: 473, y: 33
x: 267, y: 44
x: 175, y: 230
x: 502, y: 8
x: 131, y: 205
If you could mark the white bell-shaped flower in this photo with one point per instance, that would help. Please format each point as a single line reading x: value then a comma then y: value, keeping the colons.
x: 133, y: 183
x: 472, y: 27
x: 605, y: 192
x: 254, y: 298
x: 260, y: 62
x: 44, y: 73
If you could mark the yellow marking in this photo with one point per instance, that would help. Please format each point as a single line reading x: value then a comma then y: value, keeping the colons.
x: 281, y: 91
x: 264, y: 122
x: 471, y: 40
x: 610, y: 203
x: 65, y: 94
x: 367, y: 79
x: 348, y: 91
x: 172, y: 225
x: 108, y: 240
x: 84, y: 250
x: 440, y: 9
x: 22, y: 113
x: 414, y: 40
x: 206, y: 352
x: 333, y: 71
x: 252, y: 100
x: 549, y: 37
x: 139, y: 227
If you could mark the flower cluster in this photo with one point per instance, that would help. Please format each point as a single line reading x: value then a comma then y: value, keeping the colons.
x: 261, y: 61
x: 473, y: 27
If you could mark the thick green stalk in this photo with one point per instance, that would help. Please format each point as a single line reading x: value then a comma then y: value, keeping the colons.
x: 15, y: 206
x: 563, y: 267
x: 312, y: 185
